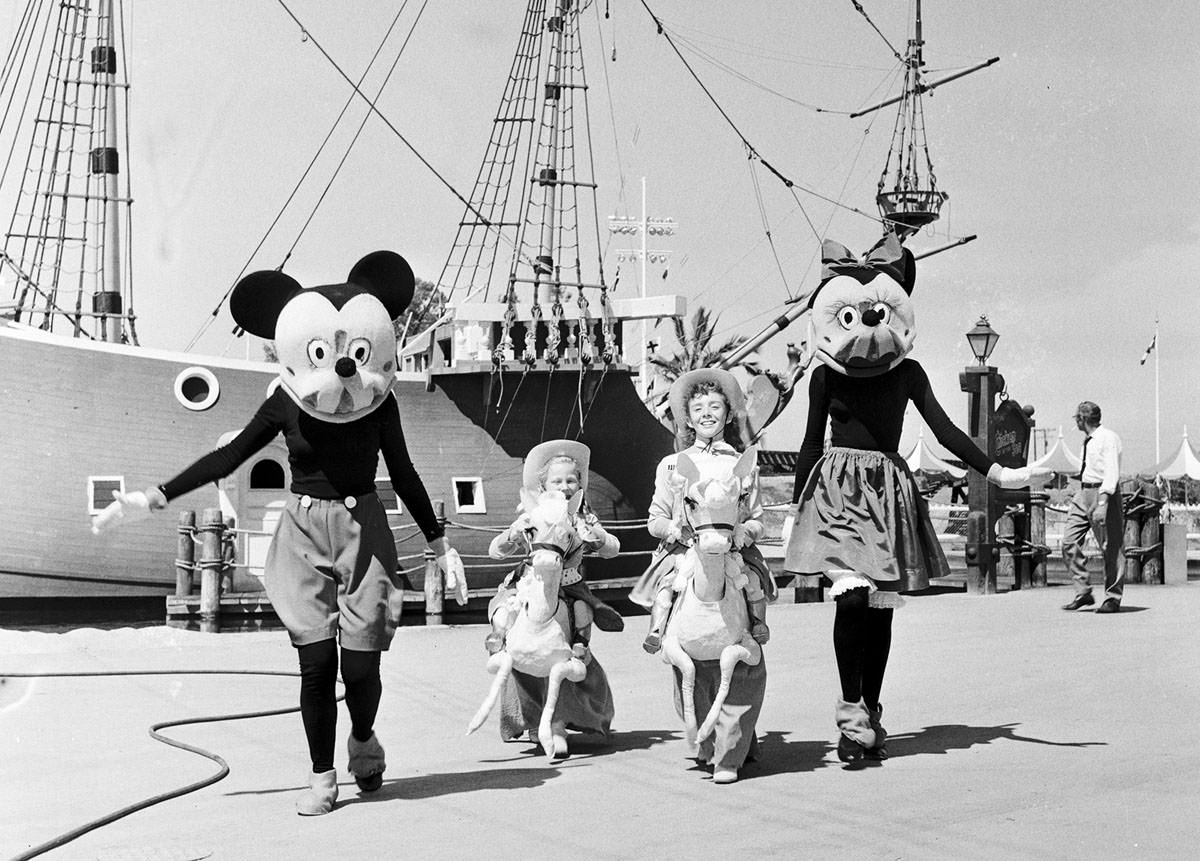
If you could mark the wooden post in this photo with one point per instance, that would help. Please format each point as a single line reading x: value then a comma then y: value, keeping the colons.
x: 808, y: 589
x: 981, y: 568
x: 212, y: 527
x: 1006, y: 564
x: 434, y: 590
x: 1037, y: 535
x: 1133, y: 537
x: 1152, y: 564
x: 185, y: 553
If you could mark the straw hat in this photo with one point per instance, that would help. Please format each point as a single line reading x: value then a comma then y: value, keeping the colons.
x: 544, y: 452
x: 727, y: 383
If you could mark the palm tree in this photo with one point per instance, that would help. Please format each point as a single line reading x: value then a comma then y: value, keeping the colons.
x: 696, y: 348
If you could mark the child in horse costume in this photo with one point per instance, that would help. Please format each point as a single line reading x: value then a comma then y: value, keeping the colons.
x: 861, y: 519
x: 332, y: 564
x: 586, y: 706
x: 708, y: 408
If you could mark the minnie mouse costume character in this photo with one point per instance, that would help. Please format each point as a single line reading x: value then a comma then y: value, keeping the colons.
x: 332, y: 562
x: 860, y: 517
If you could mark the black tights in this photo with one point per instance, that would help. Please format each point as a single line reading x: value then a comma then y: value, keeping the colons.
x: 318, y: 696
x: 862, y: 638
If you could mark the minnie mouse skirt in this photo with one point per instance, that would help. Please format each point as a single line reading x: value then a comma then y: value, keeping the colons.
x: 860, y: 511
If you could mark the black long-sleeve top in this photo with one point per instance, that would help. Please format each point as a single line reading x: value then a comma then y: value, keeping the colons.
x: 327, y: 460
x: 868, y: 413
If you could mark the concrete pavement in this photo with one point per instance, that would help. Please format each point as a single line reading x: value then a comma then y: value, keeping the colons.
x: 1018, y: 730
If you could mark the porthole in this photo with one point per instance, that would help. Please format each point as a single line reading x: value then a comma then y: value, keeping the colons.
x: 197, y: 388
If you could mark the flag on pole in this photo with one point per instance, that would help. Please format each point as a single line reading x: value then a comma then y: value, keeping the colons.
x: 1149, y: 350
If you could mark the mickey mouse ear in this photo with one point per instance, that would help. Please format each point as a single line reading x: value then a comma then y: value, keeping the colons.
x: 259, y: 297
x: 386, y: 276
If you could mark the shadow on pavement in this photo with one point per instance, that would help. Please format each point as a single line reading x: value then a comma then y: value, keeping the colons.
x: 777, y: 755
x: 944, y: 738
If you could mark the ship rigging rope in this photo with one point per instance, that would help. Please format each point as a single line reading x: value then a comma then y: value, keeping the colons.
x: 320, y: 149
x: 223, y: 767
x: 790, y: 183
x: 863, y: 12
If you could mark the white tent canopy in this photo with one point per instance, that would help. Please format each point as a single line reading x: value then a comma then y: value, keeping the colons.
x: 1183, y: 462
x: 923, y: 460
x: 1060, y: 458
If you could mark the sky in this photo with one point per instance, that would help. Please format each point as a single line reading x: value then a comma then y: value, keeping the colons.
x: 1072, y: 159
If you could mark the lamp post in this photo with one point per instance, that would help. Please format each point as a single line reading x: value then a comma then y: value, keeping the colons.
x: 982, y: 383
x: 644, y: 227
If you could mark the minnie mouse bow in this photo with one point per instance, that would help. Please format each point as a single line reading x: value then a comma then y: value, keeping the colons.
x: 888, y: 257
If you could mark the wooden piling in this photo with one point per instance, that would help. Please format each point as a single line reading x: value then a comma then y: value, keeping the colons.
x: 1152, y: 562
x: 1006, y: 563
x: 185, y: 553
x: 1133, y: 537
x: 1037, y: 535
x: 212, y: 528
x: 435, y: 588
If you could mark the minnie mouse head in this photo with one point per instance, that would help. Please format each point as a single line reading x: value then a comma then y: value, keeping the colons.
x: 862, y: 322
x: 336, y: 343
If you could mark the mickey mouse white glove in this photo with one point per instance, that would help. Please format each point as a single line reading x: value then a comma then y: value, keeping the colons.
x: 128, y: 508
x: 451, y: 564
x: 1012, y: 479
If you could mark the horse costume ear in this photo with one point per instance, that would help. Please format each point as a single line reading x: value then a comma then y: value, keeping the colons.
x: 747, y: 463
x: 529, y: 500
x: 575, y: 503
x: 687, y: 469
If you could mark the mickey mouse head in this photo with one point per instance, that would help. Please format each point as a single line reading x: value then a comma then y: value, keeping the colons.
x: 336, y: 343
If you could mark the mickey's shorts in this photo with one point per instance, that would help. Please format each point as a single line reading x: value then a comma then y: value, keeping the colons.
x: 330, y: 572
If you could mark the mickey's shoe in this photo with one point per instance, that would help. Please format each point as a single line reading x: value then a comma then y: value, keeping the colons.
x: 857, y: 736
x: 366, y: 762
x: 725, y: 775
x: 320, y: 796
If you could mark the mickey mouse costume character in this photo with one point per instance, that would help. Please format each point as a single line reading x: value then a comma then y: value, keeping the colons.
x: 332, y: 562
x: 860, y: 517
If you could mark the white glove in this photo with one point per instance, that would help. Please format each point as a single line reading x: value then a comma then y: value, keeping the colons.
x: 674, y: 534
x: 125, y: 508
x: 456, y: 578
x: 740, y: 538
x: 1012, y: 479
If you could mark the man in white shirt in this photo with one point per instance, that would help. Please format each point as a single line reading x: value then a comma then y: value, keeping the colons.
x: 1096, y: 508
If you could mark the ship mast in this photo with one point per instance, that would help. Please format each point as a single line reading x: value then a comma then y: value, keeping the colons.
x: 65, y: 247
x: 535, y: 195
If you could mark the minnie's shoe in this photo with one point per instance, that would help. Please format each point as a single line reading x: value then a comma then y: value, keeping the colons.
x: 321, y: 794
x: 366, y: 762
x: 857, y: 736
x: 879, y: 751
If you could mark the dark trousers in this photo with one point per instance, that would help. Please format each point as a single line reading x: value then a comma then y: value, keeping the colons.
x: 1110, y: 536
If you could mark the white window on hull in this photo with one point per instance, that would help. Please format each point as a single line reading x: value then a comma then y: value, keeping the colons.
x: 100, y: 491
x: 197, y: 388
x: 468, y: 495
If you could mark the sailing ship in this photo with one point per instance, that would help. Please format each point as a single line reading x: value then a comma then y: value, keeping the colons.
x: 530, y: 346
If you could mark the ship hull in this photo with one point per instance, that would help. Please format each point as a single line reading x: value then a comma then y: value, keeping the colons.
x: 76, y: 410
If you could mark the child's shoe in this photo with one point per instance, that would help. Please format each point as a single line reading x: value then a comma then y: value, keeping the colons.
x: 606, y: 618
x: 321, y: 794
x: 366, y: 762
x: 758, y: 620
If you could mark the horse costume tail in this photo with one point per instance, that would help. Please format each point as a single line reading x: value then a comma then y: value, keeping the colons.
x: 500, y: 664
